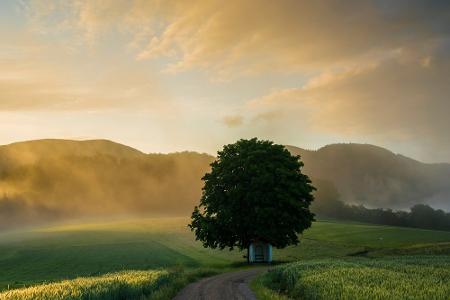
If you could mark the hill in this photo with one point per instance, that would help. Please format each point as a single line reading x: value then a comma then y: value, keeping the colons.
x: 51, y: 180
x: 31, y: 151
x: 376, y: 177
x: 54, y: 180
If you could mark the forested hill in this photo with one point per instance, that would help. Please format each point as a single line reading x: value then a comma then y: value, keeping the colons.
x: 52, y: 180
x: 376, y: 177
x: 59, y: 179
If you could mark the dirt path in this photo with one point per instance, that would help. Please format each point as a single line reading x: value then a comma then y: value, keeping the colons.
x: 227, y: 286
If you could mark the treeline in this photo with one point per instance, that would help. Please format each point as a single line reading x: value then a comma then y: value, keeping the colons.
x: 327, y: 204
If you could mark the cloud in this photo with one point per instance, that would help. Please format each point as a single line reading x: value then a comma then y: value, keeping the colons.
x: 399, y: 98
x: 255, y: 36
x: 58, y: 90
x: 41, y: 75
x: 249, y: 37
x: 233, y: 121
x: 268, y: 116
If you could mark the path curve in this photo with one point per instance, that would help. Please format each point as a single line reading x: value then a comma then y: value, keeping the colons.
x: 227, y: 286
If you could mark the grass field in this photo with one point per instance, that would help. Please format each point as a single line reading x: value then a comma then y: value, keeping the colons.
x: 93, y: 249
x: 407, y: 277
x: 127, y: 284
x: 374, y: 236
x: 149, y: 284
x: 67, y: 252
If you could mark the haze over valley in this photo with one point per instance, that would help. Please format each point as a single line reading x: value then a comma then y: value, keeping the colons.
x: 46, y: 181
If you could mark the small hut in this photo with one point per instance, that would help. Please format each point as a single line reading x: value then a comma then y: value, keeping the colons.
x: 260, y: 252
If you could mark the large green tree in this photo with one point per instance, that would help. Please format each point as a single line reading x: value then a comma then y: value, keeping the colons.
x: 255, y: 190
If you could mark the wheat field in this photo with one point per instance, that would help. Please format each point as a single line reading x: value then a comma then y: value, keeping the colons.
x: 407, y: 277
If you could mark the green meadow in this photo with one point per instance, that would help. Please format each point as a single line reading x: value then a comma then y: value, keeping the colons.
x: 405, y: 277
x: 36, y: 258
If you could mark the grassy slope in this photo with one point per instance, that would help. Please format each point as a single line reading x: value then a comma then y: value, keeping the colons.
x: 67, y: 252
x: 120, y: 285
x: 87, y: 250
x: 356, y: 277
x: 70, y: 251
x: 405, y: 277
x: 374, y: 236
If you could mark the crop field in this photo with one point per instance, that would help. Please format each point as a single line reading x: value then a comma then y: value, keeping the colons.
x: 150, y: 285
x: 407, y: 277
x: 53, y: 254
x: 126, y: 284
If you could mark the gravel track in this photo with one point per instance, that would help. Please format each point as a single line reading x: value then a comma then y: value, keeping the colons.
x: 227, y: 286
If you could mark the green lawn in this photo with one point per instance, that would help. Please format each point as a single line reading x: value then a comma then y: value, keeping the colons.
x: 65, y: 252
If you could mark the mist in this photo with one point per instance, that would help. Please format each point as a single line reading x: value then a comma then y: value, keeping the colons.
x: 54, y: 181
x: 48, y: 181
x: 375, y: 177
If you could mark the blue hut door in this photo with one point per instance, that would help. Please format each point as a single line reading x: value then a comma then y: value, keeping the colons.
x: 259, y: 253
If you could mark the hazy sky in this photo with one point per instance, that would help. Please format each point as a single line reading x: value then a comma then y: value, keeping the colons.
x: 193, y: 75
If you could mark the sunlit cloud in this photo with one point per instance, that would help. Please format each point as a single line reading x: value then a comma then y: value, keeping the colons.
x: 400, y: 99
x: 38, y: 74
x: 233, y: 120
x: 369, y: 71
x: 235, y: 38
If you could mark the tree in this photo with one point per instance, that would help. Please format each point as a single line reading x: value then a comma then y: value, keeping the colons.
x: 255, y: 190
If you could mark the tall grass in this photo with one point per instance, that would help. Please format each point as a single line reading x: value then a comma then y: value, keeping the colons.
x: 420, y: 277
x: 152, y: 284
x: 120, y: 285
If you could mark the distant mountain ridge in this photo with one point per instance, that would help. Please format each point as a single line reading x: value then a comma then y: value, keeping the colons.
x: 47, y: 180
x: 376, y: 177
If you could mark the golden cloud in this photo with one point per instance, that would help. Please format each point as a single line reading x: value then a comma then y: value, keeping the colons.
x: 119, y: 90
x: 233, y: 121
x: 398, y: 98
x: 235, y: 38
x: 41, y: 75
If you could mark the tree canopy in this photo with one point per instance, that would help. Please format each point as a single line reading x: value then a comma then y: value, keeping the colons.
x: 254, y: 191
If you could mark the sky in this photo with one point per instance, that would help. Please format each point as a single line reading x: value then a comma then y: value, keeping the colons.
x: 166, y: 76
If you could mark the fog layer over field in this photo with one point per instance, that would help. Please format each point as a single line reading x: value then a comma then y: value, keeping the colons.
x: 53, y: 180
